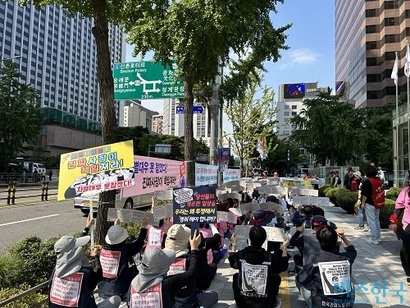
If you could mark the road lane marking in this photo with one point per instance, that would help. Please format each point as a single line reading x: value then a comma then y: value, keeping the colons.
x: 25, y: 220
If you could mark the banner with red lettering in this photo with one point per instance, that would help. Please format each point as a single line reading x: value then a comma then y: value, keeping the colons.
x: 154, y: 174
x: 194, y: 205
x: 205, y: 174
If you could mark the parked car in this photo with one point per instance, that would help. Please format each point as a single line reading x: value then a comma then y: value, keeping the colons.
x: 137, y: 202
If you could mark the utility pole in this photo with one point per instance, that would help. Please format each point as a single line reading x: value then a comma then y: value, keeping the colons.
x: 214, y: 112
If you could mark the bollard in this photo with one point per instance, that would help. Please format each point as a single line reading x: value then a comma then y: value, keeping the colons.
x: 11, y: 192
x: 44, y: 191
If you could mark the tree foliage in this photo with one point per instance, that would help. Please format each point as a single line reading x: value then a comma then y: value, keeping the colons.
x: 198, y: 35
x: 19, y: 108
x: 251, y: 118
x: 334, y: 131
x: 103, y: 12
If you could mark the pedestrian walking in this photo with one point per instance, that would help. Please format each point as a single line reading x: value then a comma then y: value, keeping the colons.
x: 50, y: 175
x: 400, y: 224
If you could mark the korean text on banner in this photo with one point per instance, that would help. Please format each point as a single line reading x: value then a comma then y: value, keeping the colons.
x: 205, y: 174
x: 230, y: 175
x: 194, y: 205
x: 154, y: 174
x: 93, y: 170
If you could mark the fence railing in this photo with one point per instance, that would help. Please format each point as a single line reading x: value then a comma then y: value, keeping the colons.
x: 25, y: 293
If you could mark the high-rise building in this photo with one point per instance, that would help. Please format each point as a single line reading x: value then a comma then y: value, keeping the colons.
x: 290, y: 104
x: 137, y: 115
x: 157, y: 124
x: 173, y: 121
x: 367, y: 35
x: 56, y: 54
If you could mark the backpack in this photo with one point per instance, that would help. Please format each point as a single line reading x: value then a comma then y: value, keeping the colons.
x: 378, y: 196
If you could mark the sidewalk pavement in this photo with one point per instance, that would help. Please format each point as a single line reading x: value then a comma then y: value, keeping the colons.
x: 377, y: 272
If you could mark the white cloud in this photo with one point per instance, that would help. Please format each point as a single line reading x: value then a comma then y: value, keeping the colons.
x: 302, y: 56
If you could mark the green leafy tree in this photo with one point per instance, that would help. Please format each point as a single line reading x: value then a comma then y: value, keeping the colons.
x: 251, y: 118
x: 19, y: 108
x: 198, y: 35
x: 328, y: 128
x: 103, y: 12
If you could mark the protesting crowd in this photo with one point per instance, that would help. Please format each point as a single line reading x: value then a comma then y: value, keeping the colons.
x: 173, y: 264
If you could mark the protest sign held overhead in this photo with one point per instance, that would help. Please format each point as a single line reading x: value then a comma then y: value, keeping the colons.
x: 93, y: 170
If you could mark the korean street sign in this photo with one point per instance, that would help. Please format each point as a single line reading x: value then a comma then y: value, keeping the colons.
x: 197, y: 109
x: 146, y: 80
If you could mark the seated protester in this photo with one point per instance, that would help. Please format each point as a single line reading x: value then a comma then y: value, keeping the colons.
x: 306, y: 241
x: 152, y: 283
x: 115, y: 259
x: 315, y: 285
x: 73, y: 265
x: 262, y: 218
x: 257, y: 290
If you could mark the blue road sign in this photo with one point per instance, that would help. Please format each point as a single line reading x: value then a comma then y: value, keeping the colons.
x: 196, y: 109
x: 179, y: 109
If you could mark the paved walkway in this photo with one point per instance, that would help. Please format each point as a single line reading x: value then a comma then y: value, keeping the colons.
x: 377, y: 271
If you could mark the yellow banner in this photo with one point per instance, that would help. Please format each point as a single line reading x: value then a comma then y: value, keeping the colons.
x: 103, y: 168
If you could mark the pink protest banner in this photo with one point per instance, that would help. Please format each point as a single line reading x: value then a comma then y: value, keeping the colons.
x: 154, y: 174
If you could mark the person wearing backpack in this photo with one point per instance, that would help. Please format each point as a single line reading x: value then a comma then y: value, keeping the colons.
x: 372, y: 201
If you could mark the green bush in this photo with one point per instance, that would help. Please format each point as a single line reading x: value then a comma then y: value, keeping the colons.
x: 29, y: 261
x: 393, y: 193
x: 388, y: 207
x: 31, y: 300
x: 345, y: 195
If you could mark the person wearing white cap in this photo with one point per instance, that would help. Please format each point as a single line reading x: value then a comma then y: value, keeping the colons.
x: 73, y: 280
x: 115, y: 258
x: 152, y: 286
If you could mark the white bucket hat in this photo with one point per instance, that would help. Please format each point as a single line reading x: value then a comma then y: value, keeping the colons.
x: 115, y: 235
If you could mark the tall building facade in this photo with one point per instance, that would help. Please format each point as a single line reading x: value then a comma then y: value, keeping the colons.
x: 367, y: 36
x: 173, y: 121
x: 56, y: 55
x: 290, y: 104
x: 137, y: 115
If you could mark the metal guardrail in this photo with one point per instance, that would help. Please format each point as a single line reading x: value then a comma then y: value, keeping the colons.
x: 25, y: 293
x: 6, y: 177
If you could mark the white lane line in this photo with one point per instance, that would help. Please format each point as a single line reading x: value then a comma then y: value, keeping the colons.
x: 25, y: 220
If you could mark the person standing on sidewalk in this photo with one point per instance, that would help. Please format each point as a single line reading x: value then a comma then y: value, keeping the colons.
x: 356, y: 185
x: 372, y: 213
x: 403, y: 230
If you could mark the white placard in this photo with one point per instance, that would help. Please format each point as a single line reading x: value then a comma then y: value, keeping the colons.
x: 162, y: 211
x: 304, y: 200
x: 226, y: 216
x: 249, y: 207
x: 127, y: 215
x: 242, y: 231
x: 234, y: 195
x: 308, y: 192
x: 275, y: 234
x: 235, y: 211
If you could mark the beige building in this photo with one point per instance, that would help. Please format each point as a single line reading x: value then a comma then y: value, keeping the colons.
x: 367, y: 36
x: 157, y: 124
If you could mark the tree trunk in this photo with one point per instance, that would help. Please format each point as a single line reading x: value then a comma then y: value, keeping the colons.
x: 108, y: 117
x: 188, y: 130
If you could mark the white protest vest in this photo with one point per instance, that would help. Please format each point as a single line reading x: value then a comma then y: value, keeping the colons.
x: 150, y: 298
x: 110, y: 263
x: 254, y: 278
x: 177, y: 267
x: 66, y: 291
x: 335, y: 277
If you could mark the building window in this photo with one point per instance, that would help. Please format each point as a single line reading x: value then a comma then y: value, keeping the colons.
x: 294, y: 107
x: 294, y: 114
x: 390, y: 21
x: 286, y: 107
x: 286, y: 113
x: 371, y: 61
x: 388, y: 5
x: 371, y: 13
x: 390, y: 38
x: 371, y: 29
x: 373, y: 78
x: 371, y: 45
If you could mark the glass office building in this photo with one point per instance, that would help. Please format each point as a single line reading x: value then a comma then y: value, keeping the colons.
x: 57, y: 55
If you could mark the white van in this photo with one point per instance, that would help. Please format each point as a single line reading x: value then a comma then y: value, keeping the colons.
x: 31, y: 167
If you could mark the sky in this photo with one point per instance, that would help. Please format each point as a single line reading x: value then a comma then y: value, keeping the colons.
x: 311, y: 56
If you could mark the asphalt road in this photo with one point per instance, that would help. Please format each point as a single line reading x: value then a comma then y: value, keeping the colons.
x: 44, y: 219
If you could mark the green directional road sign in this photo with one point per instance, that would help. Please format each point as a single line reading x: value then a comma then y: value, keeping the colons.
x: 146, y: 80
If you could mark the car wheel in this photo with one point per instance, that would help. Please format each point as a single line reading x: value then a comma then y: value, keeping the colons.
x: 128, y: 204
